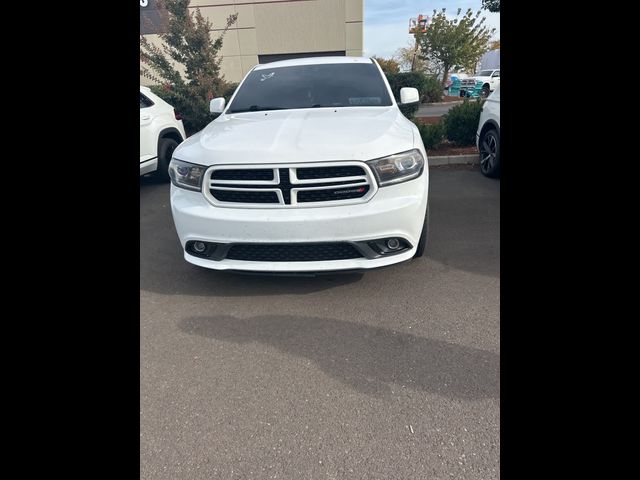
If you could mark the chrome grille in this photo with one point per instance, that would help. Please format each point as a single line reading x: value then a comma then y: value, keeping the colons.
x: 289, y: 185
x: 468, y: 83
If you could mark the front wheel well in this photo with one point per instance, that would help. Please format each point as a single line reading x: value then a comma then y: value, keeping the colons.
x: 171, y: 133
x: 489, y: 126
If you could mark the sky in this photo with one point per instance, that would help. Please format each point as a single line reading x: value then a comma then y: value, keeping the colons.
x: 386, y: 22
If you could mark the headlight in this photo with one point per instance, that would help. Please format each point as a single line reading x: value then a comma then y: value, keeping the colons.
x: 397, y: 168
x: 186, y: 175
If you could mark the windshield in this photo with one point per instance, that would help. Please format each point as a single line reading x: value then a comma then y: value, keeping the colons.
x: 312, y: 86
x: 485, y: 73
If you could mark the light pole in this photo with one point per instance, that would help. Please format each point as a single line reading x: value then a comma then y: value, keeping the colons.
x: 413, y: 59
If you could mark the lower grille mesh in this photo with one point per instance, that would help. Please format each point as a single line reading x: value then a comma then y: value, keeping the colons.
x: 300, y: 252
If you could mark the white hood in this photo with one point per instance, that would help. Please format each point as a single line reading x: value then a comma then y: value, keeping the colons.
x: 307, y: 135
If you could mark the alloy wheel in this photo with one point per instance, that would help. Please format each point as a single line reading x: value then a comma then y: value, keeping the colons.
x: 488, y: 151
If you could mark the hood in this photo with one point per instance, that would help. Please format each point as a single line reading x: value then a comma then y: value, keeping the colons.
x: 305, y: 135
x: 483, y: 78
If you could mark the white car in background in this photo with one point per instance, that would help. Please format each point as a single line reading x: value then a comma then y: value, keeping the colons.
x: 488, y: 135
x: 161, y: 131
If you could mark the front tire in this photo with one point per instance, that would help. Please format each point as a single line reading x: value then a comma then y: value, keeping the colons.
x: 485, y: 92
x: 165, y: 151
x: 490, y: 153
x: 424, y: 237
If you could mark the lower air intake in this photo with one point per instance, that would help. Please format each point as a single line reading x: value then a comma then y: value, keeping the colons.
x: 293, y: 252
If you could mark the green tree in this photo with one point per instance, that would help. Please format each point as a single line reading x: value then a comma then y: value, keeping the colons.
x: 186, y: 63
x: 491, y: 5
x: 388, y: 65
x: 404, y: 58
x: 457, y: 43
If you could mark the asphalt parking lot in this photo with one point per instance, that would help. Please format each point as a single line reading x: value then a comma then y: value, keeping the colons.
x: 393, y: 374
x: 434, y: 110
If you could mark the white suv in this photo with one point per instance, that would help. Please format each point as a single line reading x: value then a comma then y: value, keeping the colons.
x: 311, y: 167
x: 161, y: 131
x: 488, y: 135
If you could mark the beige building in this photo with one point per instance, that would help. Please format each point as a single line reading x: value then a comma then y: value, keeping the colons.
x: 270, y: 30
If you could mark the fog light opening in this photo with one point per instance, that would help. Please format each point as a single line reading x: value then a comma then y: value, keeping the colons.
x: 199, y: 247
x: 393, y: 244
x: 389, y: 245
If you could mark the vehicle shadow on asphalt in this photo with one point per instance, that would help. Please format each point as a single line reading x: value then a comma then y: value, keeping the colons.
x: 371, y: 360
x: 152, y: 179
x: 188, y: 279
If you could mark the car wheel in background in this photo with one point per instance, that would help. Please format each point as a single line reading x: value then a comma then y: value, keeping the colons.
x: 489, y: 147
x: 485, y: 91
x: 165, y: 151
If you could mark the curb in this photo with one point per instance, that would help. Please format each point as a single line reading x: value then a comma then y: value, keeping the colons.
x: 471, y: 159
x: 455, y: 102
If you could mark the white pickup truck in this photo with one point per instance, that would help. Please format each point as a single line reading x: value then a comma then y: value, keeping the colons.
x: 489, y: 78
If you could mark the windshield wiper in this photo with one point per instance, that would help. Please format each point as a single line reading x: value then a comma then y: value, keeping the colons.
x: 256, y: 108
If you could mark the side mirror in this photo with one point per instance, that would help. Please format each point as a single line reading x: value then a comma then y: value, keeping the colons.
x: 409, y: 95
x: 217, y: 105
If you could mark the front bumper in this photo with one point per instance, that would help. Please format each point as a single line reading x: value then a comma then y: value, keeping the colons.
x: 394, y: 211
